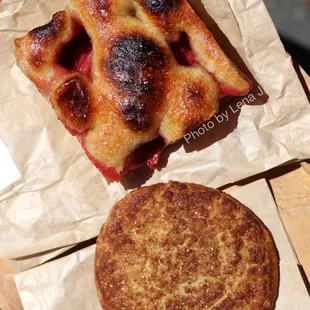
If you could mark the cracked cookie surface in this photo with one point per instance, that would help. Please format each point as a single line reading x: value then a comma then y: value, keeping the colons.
x: 181, y: 246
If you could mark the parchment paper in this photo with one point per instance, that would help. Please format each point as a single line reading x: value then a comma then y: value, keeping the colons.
x: 68, y: 283
x: 62, y: 199
x: 9, y: 173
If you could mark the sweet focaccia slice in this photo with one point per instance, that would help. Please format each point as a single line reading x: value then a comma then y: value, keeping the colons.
x: 128, y: 77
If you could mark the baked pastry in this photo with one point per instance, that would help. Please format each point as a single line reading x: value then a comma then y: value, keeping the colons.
x: 128, y: 77
x: 187, y: 247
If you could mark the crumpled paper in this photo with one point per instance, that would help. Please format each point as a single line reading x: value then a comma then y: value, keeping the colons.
x: 62, y: 199
x: 9, y: 173
x: 25, y: 263
x: 68, y: 283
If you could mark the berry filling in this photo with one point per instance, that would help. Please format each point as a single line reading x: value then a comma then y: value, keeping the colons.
x: 147, y: 153
x: 182, y: 50
x: 77, y: 54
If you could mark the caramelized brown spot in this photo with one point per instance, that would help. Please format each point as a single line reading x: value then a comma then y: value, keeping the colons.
x: 226, y: 207
x: 99, y: 7
x: 112, y: 288
x: 132, y: 12
x: 256, y: 256
x: 44, y: 35
x: 168, y: 195
x: 106, y: 263
x: 50, y: 31
x: 135, y: 113
x: 161, y: 7
x: 73, y: 100
x: 194, y: 93
x: 136, y: 66
x: 37, y: 57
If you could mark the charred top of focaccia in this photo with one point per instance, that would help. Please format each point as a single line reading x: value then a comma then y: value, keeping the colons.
x: 185, y: 246
x: 135, y: 65
x: 137, y: 70
x: 73, y: 102
x: 160, y: 7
